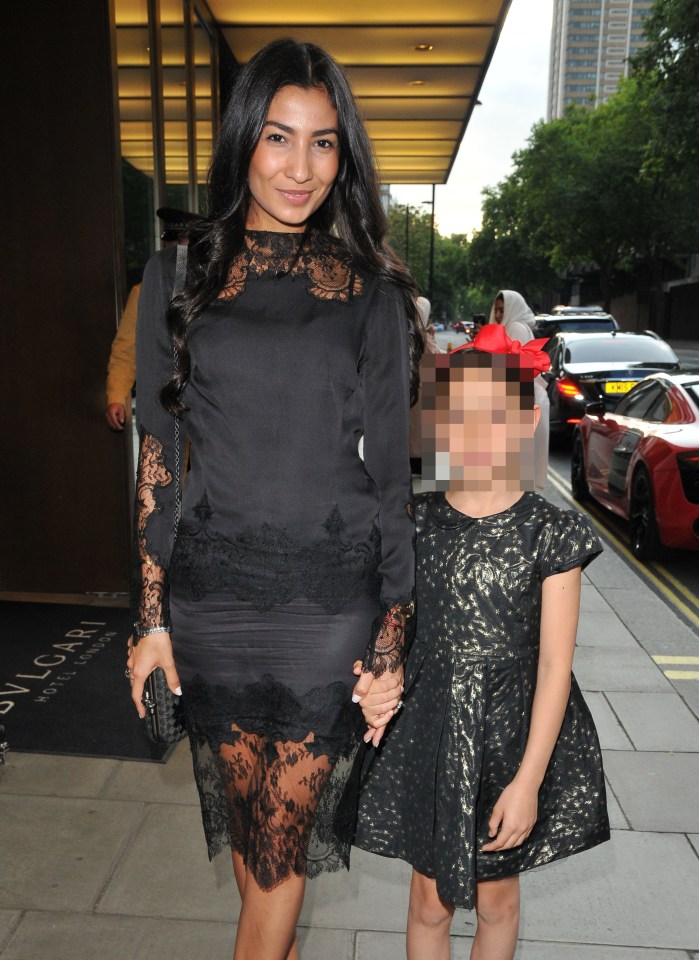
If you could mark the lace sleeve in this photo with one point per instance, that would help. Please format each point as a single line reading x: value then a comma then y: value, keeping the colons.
x: 390, y: 640
x: 386, y: 374
x: 154, y: 514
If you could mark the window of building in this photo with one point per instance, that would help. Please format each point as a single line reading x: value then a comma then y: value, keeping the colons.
x: 167, y: 75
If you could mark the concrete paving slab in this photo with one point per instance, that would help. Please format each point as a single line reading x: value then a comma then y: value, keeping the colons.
x: 591, y: 600
x: 617, y: 820
x: 597, y: 668
x: 79, y: 937
x: 639, y: 890
x: 609, y: 568
x: 169, y: 850
x: 611, y: 733
x: 74, y: 937
x: 656, y: 790
x: 57, y: 852
x: 49, y: 775
x: 9, y: 919
x: 326, y: 944
x: 656, y: 721
x: 391, y: 946
x: 652, y: 621
x: 373, y: 895
x: 602, y: 628
x: 171, y: 782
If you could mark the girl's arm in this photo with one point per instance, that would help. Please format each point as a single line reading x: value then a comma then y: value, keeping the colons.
x: 515, y: 812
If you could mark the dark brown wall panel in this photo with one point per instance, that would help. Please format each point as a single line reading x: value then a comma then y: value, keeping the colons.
x: 64, y: 475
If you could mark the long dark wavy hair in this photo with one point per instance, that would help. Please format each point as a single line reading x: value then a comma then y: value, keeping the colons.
x: 352, y: 210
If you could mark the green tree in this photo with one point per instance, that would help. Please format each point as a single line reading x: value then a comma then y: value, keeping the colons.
x: 669, y: 67
x: 503, y: 254
x: 409, y: 234
x: 595, y: 194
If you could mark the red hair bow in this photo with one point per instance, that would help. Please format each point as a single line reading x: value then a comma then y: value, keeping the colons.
x: 492, y: 338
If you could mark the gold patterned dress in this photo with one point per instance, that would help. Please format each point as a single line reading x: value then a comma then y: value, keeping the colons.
x: 293, y: 556
x: 430, y: 791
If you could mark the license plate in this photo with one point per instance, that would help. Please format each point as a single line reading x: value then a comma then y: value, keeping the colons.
x: 619, y: 386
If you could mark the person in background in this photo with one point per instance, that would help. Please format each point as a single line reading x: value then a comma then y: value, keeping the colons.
x: 510, y: 309
x: 121, y: 369
x: 431, y: 347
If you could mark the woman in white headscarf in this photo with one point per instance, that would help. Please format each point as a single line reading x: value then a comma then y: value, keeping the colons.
x: 431, y: 346
x: 511, y: 310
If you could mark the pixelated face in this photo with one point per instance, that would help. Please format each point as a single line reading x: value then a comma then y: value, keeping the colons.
x: 476, y: 435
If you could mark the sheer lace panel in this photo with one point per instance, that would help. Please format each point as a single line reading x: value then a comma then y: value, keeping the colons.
x: 388, y: 646
x: 271, y: 786
x: 321, y: 260
x: 151, y: 613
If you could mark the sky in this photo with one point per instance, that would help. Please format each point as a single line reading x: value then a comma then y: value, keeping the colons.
x: 513, y: 97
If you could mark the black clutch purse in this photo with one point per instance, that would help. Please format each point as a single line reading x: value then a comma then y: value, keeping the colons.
x: 164, y: 711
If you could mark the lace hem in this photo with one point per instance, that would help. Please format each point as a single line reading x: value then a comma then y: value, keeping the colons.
x: 321, y: 260
x: 388, y: 647
x: 149, y: 587
x: 276, y: 774
x: 266, y: 566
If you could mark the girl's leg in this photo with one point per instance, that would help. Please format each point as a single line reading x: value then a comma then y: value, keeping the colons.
x: 497, y: 910
x: 429, y: 921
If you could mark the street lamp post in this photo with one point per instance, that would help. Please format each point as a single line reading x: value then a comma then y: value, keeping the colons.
x: 407, y: 233
x: 430, y: 282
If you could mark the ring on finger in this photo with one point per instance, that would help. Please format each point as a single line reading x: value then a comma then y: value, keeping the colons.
x: 128, y: 674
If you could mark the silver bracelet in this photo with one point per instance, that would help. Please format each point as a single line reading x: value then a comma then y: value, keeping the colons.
x: 145, y: 633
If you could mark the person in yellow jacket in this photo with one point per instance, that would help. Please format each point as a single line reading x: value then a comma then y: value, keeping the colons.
x: 121, y: 370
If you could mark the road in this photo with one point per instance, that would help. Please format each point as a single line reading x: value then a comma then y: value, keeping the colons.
x: 676, y: 577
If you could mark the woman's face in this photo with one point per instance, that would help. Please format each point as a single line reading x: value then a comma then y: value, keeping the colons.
x: 499, y: 310
x: 295, y: 162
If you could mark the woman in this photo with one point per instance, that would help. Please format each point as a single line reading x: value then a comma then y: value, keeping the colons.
x: 292, y: 558
x: 429, y: 334
x: 511, y: 310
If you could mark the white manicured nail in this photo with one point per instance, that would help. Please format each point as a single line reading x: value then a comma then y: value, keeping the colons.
x: 356, y: 698
x: 178, y: 691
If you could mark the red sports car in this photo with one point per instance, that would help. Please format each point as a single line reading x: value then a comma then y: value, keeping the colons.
x: 642, y: 461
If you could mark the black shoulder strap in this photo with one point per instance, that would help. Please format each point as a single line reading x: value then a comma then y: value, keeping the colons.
x: 180, y: 278
x: 180, y: 269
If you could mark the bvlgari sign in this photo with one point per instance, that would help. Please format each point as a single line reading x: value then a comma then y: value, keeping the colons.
x: 62, y: 683
x: 50, y: 671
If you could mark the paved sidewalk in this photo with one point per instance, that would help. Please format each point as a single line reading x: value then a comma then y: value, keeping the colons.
x: 105, y: 860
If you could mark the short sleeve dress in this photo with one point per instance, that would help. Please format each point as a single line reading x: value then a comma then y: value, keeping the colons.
x: 471, y: 673
x: 293, y: 556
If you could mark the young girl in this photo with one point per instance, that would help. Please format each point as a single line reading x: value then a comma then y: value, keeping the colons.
x: 493, y: 765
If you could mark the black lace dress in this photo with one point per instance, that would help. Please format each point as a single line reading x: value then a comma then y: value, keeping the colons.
x: 293, y: 557
x: 470, y: 679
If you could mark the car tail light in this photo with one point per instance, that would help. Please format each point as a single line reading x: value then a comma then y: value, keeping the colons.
x: 573, y: 420
x: 568, y: 388
x: 688, y: 464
